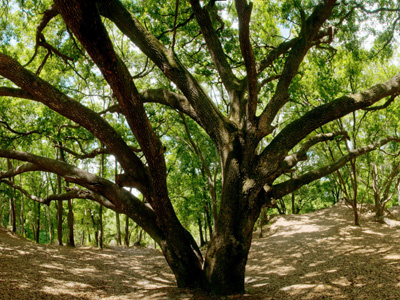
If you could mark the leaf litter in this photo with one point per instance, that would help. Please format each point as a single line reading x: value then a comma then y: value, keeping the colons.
x: 318, y: 255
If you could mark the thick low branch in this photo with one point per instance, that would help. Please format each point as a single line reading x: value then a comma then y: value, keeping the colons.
x: 301, y: 155
x: 24, y: 192
x: 123, y: 200
x: 296, y: 131
x: 210, y: 118
x: 20, y: 169
x: 45, y: 93
x: 15, y: 93
x: 291, y: 185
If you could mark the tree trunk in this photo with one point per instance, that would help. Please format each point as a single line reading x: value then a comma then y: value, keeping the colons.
x: 37, y: 235
x: 100, y: 228
x: 119, y: 242
x: 71, y: 240
x: 226, y: 258
x: 21, y: 218
x: 50, y: 225
x: 127, y: 235
x: 202, y: 242
x: 12, y: 218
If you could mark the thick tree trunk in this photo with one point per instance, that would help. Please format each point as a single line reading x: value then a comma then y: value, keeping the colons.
x: 226, y: 258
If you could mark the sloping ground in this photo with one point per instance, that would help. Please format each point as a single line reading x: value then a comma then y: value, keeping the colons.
x: 314, y: 256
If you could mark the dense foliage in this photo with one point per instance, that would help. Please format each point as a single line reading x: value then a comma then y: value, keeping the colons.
x: 189, y: 119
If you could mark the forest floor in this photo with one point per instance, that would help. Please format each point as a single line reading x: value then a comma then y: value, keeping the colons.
x: 318, y: 255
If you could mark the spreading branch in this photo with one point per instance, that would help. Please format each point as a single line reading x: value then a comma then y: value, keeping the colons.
x: 121, y: 200
x: 209, y: 116
x: 43, y: 92
x: 291, y: 185
x: 309, y: 33
x: 296, y: 131
x: 214, y: 46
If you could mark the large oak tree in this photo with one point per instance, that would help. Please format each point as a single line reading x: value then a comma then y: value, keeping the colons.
x: 254, y: 151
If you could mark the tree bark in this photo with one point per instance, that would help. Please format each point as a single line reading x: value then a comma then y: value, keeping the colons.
x: 12, y: 214
x: 127, y: 234
x: 37, y: 226
x: 71, y: 239
x: 118, y: 223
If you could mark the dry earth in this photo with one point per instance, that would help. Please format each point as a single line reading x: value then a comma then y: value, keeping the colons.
x: 319, y: 255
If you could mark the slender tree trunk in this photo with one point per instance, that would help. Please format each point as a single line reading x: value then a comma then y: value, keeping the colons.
x: 126, y: 236
x: 21, y: 217
x: 95, y: 227
x: 202, y: 242
x: 71, y: 240
x: 100, y: 228
x: 118, y: 223
x: 50, y: 226
x: 100, y: 224
x: 12, y: 218
x: 59, y: 209
x: 37, y: 235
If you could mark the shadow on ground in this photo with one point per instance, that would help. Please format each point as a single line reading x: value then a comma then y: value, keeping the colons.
x: 314, y: 256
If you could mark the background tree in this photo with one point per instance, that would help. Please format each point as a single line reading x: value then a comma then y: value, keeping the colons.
x: 236, y: 69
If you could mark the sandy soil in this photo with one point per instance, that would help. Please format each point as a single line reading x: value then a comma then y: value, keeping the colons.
x: 319, y: 255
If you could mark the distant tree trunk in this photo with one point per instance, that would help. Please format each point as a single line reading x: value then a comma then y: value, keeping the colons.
x: 202, y: 242
x: 50, y: 226
x: 117, y: 221
x: 100, y: 228
x: 71, y: 240
x: 262, y: 219
x: 100, y: 224
x: 127, y: 235
x: 59, y: 208
x: 139, y: 238
x: 96, y: 228
x: 37, y: 229
x: 83, y: 231
x: 12, y: 218
x: 21, y: 217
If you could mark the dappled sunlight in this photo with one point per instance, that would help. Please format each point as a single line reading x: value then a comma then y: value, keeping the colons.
x: 320, y: 255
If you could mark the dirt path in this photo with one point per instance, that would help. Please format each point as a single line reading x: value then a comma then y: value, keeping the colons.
x: 313, y: 256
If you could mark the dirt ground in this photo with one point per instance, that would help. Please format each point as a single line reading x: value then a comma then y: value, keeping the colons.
x: 319, y: 255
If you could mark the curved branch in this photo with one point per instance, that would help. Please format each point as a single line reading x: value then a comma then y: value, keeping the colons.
x: 301, y: 155
x: 91, y: 154
x: 45, y: 93
x: 309, y: 32
x: 296, y: 131
x: 16, y: 93
x: 210, y: 118
x: 20, y: 169
x: 244, y: 13
x: 291, y: 185
x: 215, y: 49
x: 121, y: 199
x: 24, y: 192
